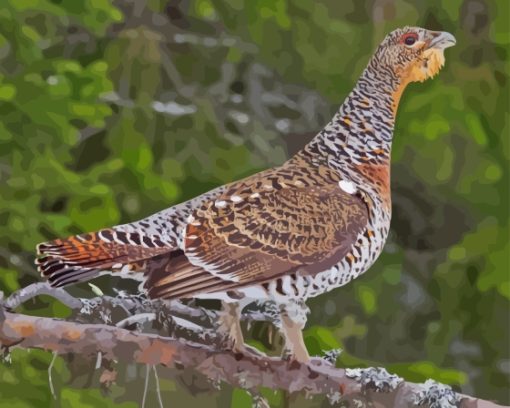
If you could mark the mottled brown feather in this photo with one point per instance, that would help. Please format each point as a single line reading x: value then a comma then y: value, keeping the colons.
x: 263, y: 227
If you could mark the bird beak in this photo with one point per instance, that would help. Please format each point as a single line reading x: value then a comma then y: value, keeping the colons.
x: 441, y: 40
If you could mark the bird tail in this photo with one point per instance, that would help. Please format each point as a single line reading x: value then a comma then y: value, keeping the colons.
x: 82, y: 257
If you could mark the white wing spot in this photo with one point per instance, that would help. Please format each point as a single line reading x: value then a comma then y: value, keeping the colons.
x: 255, y: 195
x: 190, y: 219
x: 236, y: 199
x: 267, y: 186
x: 220, y: 203
x: 347, y: 186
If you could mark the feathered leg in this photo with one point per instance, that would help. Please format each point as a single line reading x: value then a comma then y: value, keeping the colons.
x: 230, y: 323
x: 293, y: 320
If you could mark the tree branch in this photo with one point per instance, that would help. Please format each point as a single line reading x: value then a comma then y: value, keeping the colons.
x: 41, y: 288
x: 247, y: 370
x: 244, y: 370
x: 131, y: 305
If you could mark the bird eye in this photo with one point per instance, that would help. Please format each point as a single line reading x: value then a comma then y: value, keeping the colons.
x: 410, y: 38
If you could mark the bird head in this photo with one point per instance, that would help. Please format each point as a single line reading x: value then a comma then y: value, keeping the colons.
x: 410, y: 54
x: 413, y: 53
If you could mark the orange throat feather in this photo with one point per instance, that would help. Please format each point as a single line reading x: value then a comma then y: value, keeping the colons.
x: 427, y: 67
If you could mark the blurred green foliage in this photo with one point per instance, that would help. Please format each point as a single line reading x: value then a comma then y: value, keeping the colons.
x: 112, y: 111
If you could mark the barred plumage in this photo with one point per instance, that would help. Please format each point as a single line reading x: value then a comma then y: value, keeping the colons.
x: 286, y: 234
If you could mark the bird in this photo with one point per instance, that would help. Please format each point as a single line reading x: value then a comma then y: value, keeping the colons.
x: 283, y: 235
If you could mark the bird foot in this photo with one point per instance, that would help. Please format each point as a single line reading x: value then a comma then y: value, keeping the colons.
x: 233, y: 344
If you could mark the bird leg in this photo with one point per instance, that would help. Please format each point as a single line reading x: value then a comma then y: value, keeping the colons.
x: 293, y: 320
x: 230, y: 323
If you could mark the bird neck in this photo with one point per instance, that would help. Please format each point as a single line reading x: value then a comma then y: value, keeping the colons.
x: 362, y: 129
x: 357, y: 141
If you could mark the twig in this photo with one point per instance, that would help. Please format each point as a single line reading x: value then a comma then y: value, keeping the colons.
x: 99, y: 360
x: 130, y: 304
x: 2, y: 314
x: 50, y: 380
x: 158, y: 390
x: 258, y: 401
x: 139, y: 318
x: 41, y: 288
x: 146, y: 387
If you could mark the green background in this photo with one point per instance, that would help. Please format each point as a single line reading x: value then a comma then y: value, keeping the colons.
x: 113, y: 110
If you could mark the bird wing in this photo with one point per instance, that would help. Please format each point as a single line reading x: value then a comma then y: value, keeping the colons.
x: 259, y: 229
